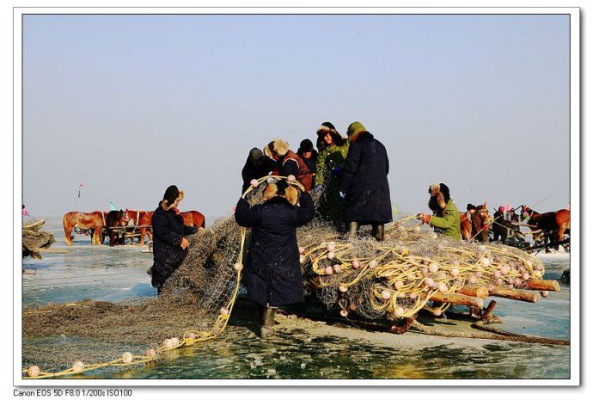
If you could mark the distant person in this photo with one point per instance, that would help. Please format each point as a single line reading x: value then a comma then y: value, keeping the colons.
x: 256, y: 166
x: 25, y: 212
x: 445, y: 218
x: 364, y: 183
x: 289, y: 163
x: 308, y: 154
x: 273, y: 272
x: 331, y: 157
x: 168, y: 236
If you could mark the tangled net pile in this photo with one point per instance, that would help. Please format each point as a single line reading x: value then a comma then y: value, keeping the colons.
x: 391, y: 279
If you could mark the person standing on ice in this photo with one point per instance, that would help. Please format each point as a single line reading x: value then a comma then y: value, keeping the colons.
x: 289, y: 163
x: 168, y: 235
x: 445, y: 218
x: 256, y: 166
x: 273, y: 275
x: 364, y: 184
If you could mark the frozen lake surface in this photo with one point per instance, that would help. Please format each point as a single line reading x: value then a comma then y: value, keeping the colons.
x: 119, y: 273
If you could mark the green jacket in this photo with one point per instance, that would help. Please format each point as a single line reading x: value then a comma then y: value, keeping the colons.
x: 329, y: 158
x: 449, y: 223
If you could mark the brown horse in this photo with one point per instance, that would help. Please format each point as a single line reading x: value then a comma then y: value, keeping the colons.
x: 553, y: 225
x: 143, y: 219
x: 116, y: 219
x: 94, y: 221
x: 194, y: 218
x: 475, y: 223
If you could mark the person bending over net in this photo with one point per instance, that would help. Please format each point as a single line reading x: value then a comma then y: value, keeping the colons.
x: 273, y: 275
x: 168, y: 235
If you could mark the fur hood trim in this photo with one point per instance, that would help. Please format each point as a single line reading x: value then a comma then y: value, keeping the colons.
x: 290, y: 193
x: 165, y: 204
x: 278, y: 147
x: 435, y: 191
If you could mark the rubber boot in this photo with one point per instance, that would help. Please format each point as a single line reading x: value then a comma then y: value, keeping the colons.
x: 353, y: 229
x: 267, y: 322
x: 379, y: 232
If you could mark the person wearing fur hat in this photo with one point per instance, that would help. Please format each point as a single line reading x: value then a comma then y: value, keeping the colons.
x: 289, y: 163
x: 273, y: 275
x: 445, y: 218
x: 364, y: 183
x: 168, y: 236
x: 256, y: 166
x: 333, y: 154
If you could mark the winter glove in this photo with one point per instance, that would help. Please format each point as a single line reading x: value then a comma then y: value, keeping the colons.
x: 424, y: 218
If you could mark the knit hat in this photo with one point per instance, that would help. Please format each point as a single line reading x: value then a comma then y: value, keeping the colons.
x: 281, y: 189
x: 277, y: 146
x: 172, y: 194
x: 305, y: 146
x: 255, y: 155
x: 355, y: 129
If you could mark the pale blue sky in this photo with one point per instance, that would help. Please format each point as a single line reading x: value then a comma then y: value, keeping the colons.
x: 131, y: 104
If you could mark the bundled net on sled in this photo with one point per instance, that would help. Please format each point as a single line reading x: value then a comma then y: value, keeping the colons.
x: 391, y: 279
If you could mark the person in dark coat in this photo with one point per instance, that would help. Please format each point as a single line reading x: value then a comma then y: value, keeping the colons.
x: 257, y: 166
x: 168, y: 236
x: 364, y: 183
x: 308, y: 154
x: 273, y: 274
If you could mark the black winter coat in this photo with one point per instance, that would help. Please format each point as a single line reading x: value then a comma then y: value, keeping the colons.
x: 364, y: 181
x: 167, y: 232
x: 272, y: 271
x: 252, y: 171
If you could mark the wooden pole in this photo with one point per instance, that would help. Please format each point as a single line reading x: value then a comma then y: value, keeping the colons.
x: 474, y: 291
x: 537, y: 284
x: 460, y: 299
x: 522, y: 295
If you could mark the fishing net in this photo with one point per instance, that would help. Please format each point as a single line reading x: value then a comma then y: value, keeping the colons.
x: 412, y: 269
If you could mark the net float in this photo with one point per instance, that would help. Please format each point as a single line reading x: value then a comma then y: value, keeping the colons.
x: 343, y: 288
x: 499, y: 282
x: 526, y: 276
x: 424, y: 271
x: 517, y: 282
x: 399, y: 311
x: 429, y: 282
x: 433, y: 268
x: 151, y: 353
x: 175, y: 341
x: 455, y: 272
x: 127, y: 357
x: 238, y: 267
x: 224, y: 311
x: 399, y: 285
x: 373, y: 264
x: 254, y: 183
x: 456, y: 263
x: 442, y: 287
x: 302, y: 259
x: 505, y: 269
x: 472, y: 279
x: 485, y: 262
x: 301, y: 250
x: 386, y: 294
x: 329, y: 270
x: 168, y: 344
x: 33, y: 371
x: 544, y: 293
x: 497, y: 274
x: 330, y: 255
x: 78, y: 366
x: 437, y: 312
x: 344, y: 313
x: 191, y: 335
x: 291, y: 178
x: 337, y: 268
x: 355, y: 264
x: 331, y: 246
